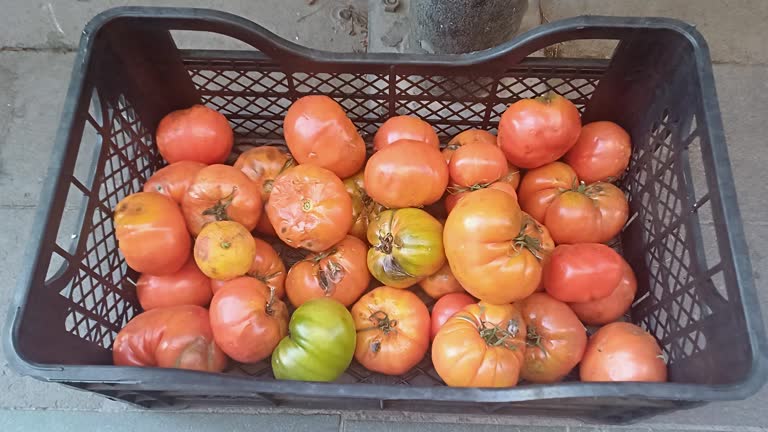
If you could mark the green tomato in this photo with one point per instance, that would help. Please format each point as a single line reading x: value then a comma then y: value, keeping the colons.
x: 407, y: 246
x: 320, y: 343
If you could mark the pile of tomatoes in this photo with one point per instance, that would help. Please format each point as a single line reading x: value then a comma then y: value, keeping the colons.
x: 507, y: 233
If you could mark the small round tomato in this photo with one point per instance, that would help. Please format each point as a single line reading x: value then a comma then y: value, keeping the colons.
x: 573, y: 212
x: 446, y: 307
x: 601, y: 153
x: 363, y: 207
x: 340, y: 273
x: 267, y: 267
x: 174, y: 180
x: 535, y: 132
x: 407, y: 246
x: 310, y: 208
x: 468, y: 136
x: 455, y: 193
x: 404, y: 127
x: 392, y: 330
x: 611, y: 308
x: 441, y: 283
x: 320, y: 344
x: 224, y: 250
x: 622, y: 351
x: 248, y: 320
x: 170, y: 337
x: 555, y: 340
x: 318, y: 132
x: 151, y: 233
x: 477, y: 164
x: 582, y: 272
x: 197, y: 134
x: 406, y: 174
x: 188, y: 286
x: 482, y: 345
x: 221, y: 193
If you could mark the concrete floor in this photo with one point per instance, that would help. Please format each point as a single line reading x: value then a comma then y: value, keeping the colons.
x: 36, y: 43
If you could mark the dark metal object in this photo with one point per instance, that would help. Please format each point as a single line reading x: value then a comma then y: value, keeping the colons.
x: 695, y: 281
x: 391, y: 5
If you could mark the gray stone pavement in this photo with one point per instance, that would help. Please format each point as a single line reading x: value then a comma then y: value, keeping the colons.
x: 34, y: 72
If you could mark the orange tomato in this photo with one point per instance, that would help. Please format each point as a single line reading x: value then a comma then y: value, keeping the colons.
x: 611, y: 308
x: 364, y: 209
x: 267, y: 267
x: 197, y: 134
x: 622, y: 351
x: 224, y: 250
x: 188, y: 286
x: 477, y: 164
x: 441, y: 283
x: 404, y: 127
x: 455, y: 193
x: 601, y: 153
x: 174, y: 179
x: 468, y: 136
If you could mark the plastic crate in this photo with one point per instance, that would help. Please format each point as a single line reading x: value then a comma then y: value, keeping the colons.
x: 686, y: 243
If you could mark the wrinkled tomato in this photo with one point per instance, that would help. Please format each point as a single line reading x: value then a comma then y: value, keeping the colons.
x: 601, y: 153
x: 446, y: 307
x: 224, y: 250
x: 197, y: 134
x: 582, y: 272
x: 174, y: 179
x: 363, y: 207
x: 404, y: 127
x: 622, y: 351
x: 267, y: 267
x: 188, y: 286
x: 610, y: 308
x: 441, y: 283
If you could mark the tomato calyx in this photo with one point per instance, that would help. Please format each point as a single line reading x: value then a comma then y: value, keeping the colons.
x: 219, y: 210
x: 524, y: 241
x: 534, y: 339
x: 386, y: 243
x: 494, y: 335
x: 455, y: 189
x: 547, y: 98
x: 329, y: 276
x: 382, y: 322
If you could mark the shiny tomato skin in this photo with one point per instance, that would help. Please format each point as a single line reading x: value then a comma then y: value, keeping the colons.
x: 318, y: 132
x: 151, y: 233
x: 392, y: 330
x: 404, y: 127
x: 468, y: 136
x: 447, y: 306
x: 174, y: 179
x: 614, y: 306
x: 455, y: 193
x: 582, y: 272
x: 406, y: 173
x: 197, y: 134
x: 340, y: 273
x: 171, y: 337
x: 540, y: 186
x: 535, y: 132
x: 441, y: 283
x: 556, y: 339
x: 601, y: 153
x: 622, y: 351
x: 248, y: 320
x: 224, y: 250
x: 477, y: 164
x: 188, y: 286
x: 310, y: 208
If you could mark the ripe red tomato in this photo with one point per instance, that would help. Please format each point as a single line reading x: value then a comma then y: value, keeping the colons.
x: 310, y: 208
x: 404, y: 127
x: 248, y: 320
x: 151, y: 233
x: 441, y: 283
x: 610, y: 308
x: 622, y: 351
x: 197, y: 134
x: 583, y: 272
x: 446, y: 307
x: 535, y: 132
x: 573, y: 212
x: 221, y: 193
x: 481, y: 346
x: 171, y: 337
x: 455, y: 193
x: 392, y: 330
x: 267, y: 267
x: 406, y: 174
x: 555, y: 340
x: 340, y: 273
x: 188, y: 286
x: 174, y: 180
x: 468, y: 136
x: 318, y: 132
x: 601, y: 153
x: 477, y: 164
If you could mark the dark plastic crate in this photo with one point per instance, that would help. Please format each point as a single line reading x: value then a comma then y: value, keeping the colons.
x: 686, y: 243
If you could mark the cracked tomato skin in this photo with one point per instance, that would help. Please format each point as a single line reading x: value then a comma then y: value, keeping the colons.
x: 198, y: 134
x: 267, y: 267
x: 174, y: 179
x: 340, y: 272
x: 171, y: 337
x: 404, y: 127
x: 481, y: 346
x: 392, y: 330
x: 310, y: 208
x: 224, y: 250
x: 406, y: 247
x: 622, y: 351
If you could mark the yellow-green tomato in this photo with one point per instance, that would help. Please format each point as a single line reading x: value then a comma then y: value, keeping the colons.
x: 407, y: 246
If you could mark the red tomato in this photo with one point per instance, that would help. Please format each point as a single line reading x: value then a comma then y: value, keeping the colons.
x: 392, y: 330
x: 197, y: 134
x: 406, y: 174
x: 601, y: 153
x: 477, y: 164
x: 318, y: 132
x: 441, y: 283
x: 151, y: 233
x: 582, y: 272
x: 174, y: 180
x: 455, y: 193
x: 622, y: 351
x: 535, y: 132
x: 172, y: 337
x: 221, y: 193
x: 248, y: 320
x: 267, y: 267
x: 188, y: 286
x: 447, y: 306
x: 611, y: 308
x: 404, y: 127
x: 467, y: 137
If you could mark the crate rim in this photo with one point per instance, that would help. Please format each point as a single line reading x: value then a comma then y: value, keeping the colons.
x: 511, y: 52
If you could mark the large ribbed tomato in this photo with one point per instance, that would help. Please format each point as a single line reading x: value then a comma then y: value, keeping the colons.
x: 174, y: 180
x: 404, y: 127
x: 197, y: 134
x: 455, y: 193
